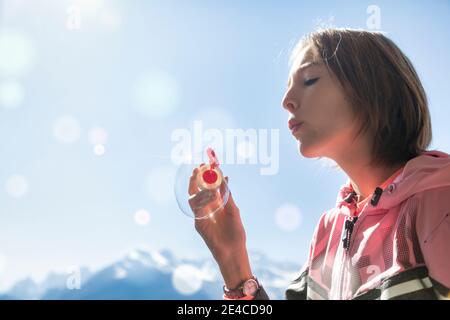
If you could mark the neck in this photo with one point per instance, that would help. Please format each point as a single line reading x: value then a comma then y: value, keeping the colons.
x: 364, y: 177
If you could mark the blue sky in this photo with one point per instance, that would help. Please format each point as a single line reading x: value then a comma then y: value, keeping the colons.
x: 81, y: 152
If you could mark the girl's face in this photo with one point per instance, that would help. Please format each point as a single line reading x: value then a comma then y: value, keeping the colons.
x: 315, y: 98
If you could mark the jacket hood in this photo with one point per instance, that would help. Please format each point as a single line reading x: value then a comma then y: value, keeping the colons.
x: 427, y: 171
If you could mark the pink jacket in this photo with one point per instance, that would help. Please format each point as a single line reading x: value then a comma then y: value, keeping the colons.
x: 398, y: 247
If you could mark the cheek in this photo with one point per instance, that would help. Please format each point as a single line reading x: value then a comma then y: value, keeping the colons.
x: 330, y: 110
x: 325, y: 116
x: 329, y: 124
x: 325, y: 138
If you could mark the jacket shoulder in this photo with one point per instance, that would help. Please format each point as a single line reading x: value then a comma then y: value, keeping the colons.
x: 433, y: 209
x: 433, y: 232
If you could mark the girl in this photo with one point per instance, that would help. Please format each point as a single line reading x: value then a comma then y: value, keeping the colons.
x: 354, y: 97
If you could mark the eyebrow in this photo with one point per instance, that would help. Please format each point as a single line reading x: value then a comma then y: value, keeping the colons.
x: 308, y: 64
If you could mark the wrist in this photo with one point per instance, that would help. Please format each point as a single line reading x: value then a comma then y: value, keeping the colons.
x: 235, y: 269
x: 247, y: 290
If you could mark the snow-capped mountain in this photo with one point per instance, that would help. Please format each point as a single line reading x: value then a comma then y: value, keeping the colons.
x: 145, y: 274
x: 31, y: 290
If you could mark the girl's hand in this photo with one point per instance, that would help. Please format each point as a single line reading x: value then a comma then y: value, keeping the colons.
x: 223, y: 232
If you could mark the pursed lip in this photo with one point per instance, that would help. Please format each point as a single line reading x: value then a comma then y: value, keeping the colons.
x: 294, y: 124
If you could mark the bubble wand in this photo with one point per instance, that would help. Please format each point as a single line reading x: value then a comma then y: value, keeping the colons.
x: 210, y: 176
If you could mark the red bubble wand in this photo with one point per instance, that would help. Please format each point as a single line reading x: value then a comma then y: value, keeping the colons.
x: 210, y: 176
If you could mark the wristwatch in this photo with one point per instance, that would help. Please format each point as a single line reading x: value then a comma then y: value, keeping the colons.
x: 249, y: 287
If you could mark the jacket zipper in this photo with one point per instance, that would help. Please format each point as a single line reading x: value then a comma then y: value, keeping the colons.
x: 349, y: 228
x: 348, y: 231
x: 346, y: 237
x: 346, y: 240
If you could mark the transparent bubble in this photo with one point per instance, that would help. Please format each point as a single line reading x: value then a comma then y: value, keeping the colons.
x: 11, y: 94
x: 156, y: 94
x: 187, y: 279
x: 66, y: 130
x: 142, y: 217
x: 202, y: 194
x: 17, y: 186
x: 288, y: 217
x: 98, y: 136
x: 99, y: 150
x: 17, y: 54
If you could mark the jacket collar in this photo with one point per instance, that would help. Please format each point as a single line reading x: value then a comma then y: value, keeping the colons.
x: 429, y: 170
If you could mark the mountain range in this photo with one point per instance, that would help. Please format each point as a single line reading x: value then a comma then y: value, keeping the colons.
x: 144, y: 274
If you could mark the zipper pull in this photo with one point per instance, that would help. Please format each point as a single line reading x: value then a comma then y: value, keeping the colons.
x: 351, y: 196
x: 349, y: 224
x: 376, y: 196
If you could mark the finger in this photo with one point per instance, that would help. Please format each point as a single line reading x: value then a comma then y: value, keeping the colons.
x: 200, y: 199
x: 223, y: 187
x: 193, y: 188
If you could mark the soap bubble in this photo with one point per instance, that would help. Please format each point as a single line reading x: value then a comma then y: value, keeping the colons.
x: 200, y: 190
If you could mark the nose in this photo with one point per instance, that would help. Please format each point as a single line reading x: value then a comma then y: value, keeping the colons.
x: 288, y: 103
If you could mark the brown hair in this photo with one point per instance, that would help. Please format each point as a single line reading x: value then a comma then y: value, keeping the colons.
x: 382, y: 86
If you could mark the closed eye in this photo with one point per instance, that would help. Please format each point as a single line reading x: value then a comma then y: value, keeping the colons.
x: 309, y: 82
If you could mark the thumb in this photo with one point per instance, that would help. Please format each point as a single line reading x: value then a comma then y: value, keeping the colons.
x: 224, y: 185
x: 230, y: 196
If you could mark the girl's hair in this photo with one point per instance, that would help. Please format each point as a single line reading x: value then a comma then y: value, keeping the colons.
x: 382, y: 86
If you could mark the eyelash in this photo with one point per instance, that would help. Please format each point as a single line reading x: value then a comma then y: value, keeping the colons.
x: 310, y: 82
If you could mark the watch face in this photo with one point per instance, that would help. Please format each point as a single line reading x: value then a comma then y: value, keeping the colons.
x: 250, y: 287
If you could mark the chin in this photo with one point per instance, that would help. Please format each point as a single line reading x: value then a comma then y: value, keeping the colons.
x: 307, y: 151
